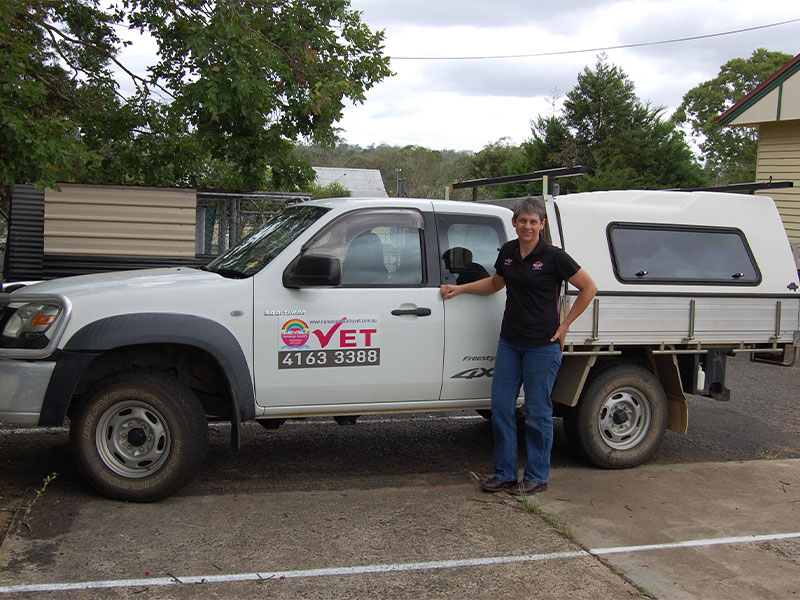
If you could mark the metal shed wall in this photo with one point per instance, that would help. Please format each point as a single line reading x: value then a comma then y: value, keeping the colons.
x: 25, y: 245
x: 95, y: 228
x: 120, y: 221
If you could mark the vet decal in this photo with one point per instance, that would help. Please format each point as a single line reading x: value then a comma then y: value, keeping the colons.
x: 294, y: 334
x: 329, y: 341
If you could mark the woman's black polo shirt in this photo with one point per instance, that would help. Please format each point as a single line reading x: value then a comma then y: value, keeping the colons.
x: 532, y: 287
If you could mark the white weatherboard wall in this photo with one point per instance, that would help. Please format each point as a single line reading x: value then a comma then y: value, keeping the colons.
x: 120, y: 221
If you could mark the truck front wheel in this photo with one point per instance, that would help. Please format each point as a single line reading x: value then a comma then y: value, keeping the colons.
x: 621, y: 417
x: 139, y: 436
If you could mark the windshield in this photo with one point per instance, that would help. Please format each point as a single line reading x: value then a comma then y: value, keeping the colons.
x: 257, y: 251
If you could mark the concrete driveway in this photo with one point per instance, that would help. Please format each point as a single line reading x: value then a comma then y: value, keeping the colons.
x: 391, y: 508
x: 701, y: 530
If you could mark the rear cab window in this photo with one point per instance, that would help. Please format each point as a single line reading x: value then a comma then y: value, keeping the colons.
x: 468, y: 246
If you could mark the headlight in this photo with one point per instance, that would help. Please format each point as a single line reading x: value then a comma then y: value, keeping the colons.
x: 31, y: 320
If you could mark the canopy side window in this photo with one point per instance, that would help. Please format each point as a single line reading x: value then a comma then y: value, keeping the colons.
x: 681, y: 254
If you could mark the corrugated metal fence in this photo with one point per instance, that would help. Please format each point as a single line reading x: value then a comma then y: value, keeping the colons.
x: 89, y: 228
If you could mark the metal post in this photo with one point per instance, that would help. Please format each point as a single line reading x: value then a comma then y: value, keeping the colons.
x: 200, y: 230
x: 397, y: 182
x: 234, y: 222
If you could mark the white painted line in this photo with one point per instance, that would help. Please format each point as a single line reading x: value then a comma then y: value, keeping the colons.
x: 385, y: 568
x: 743, y: 539
x: 334, y: 571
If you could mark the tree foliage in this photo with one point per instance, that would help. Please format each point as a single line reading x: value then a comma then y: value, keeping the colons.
x: 332, y: 190
x: 427, y: 172
x: 41, y: 97
x: 623, y: 142
x: 729, y: 152
x: 235, y: 85
x: 603, y: 126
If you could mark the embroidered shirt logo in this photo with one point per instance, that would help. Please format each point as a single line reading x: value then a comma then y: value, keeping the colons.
x: 537, y: 266
x: 508, y: 261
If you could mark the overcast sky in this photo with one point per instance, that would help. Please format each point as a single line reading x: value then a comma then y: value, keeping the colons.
x: 466, y: 104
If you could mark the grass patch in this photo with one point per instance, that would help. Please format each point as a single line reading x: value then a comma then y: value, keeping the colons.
x: 530, y: 504
x: 770, y: 454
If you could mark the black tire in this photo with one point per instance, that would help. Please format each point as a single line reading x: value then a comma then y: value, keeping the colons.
x: 486, y: 413
x: 570, y: 420
x: 621, y: 417
x: 346, y: 419
x: 139, y: 436
x: 519, y: 413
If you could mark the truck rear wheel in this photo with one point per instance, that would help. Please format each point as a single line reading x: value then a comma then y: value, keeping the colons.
x: 621, y: 417
x: 139, y: 436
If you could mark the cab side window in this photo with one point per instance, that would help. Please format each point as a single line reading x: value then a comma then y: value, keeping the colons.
x: 376, y: 248
x: 468, y: 247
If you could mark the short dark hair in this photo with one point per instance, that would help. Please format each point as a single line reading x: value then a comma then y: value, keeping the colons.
x: 529, y: 204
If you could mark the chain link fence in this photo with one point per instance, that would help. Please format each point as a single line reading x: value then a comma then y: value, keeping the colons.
x: 226, y: 218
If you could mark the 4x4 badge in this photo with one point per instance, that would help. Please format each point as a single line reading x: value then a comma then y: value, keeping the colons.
x: 474, y: 373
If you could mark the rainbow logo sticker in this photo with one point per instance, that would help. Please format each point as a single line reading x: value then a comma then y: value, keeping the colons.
x: 294, y: 333
x: 537, y: 266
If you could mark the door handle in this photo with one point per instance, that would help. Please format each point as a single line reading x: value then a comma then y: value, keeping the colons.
x: 418, y: 312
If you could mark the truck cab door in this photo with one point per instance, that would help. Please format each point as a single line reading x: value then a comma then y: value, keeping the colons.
x: 469, y: 245
x: 372, y: 339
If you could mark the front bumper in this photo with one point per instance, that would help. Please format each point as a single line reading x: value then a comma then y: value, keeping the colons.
x: 22, y: 389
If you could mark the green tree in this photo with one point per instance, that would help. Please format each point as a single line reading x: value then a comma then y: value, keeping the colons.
x: 551, y: 146
x: 236, y: 84
x: 730, y: 152
x: 332, y: 190
x: 495, y: 159
x: 622, y: 142
x: 46, y: 81
x: 427, y: 172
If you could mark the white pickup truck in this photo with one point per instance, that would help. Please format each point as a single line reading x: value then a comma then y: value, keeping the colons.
x: 334, y: 309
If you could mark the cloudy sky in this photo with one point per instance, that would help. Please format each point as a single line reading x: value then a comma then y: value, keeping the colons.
x: 466, y: 104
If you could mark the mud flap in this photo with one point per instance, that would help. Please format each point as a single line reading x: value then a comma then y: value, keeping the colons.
x: 666, y: 369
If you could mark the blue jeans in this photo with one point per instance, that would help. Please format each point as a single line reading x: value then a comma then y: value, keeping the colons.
x: 535, y: 368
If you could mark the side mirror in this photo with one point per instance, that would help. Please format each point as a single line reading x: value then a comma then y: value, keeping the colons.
x: 313, y: 270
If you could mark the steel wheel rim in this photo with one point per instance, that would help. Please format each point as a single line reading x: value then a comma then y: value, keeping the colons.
x: 632, y: 405
x: 133, y: 439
